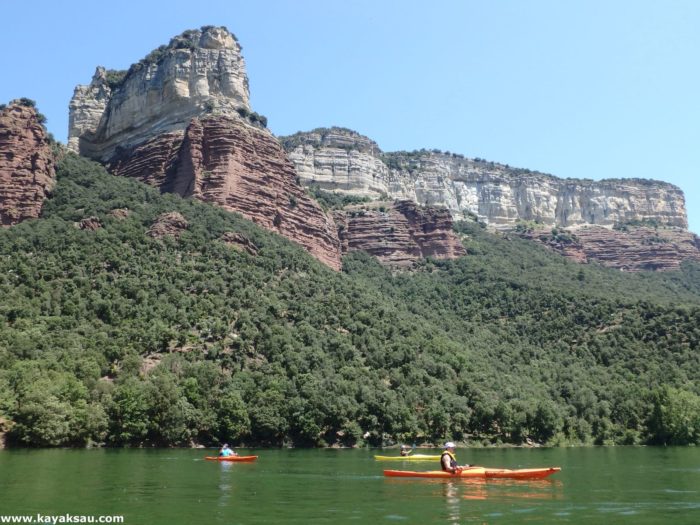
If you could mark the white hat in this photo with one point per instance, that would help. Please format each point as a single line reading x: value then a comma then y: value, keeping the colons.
x: 449, y: 444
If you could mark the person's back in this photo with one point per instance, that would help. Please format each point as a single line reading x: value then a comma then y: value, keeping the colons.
x: 226, y: 452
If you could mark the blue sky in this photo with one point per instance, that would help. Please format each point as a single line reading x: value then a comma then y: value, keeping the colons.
x: 581, y: 89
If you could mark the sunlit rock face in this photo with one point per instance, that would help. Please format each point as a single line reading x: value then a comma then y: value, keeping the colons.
x: 27, y: 172
x: 398, y: 233
x: 198, y: 72
x: 631, y: 248
x: 180, y: 120
x: 341, y: 160
x: 224, y: 161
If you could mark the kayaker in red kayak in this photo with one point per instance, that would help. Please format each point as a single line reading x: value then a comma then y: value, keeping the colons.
x: 448, y: 461
x: 226, y: 451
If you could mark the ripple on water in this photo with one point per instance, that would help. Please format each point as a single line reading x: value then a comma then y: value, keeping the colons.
x: 617, y: 510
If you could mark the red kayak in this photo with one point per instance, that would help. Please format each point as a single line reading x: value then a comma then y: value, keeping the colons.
x: 231, y: 458
x: 477, y: 472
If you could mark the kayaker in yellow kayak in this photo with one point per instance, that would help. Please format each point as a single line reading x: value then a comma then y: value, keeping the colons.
x: 226, y: 451
x: 406, y: 450
x: 448, y: 461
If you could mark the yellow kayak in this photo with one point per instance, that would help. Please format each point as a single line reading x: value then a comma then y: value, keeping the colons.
x: 412, y: 457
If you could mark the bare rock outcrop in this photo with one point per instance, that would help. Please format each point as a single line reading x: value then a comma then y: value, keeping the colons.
x: 341, y: 160
x: 198, y: 72
x: 170, y: 224
x: 120, y: 213
x: 633, y: 248
x: 27, y: 172
x: 89, y: 223
x: 180, y: 120
x: 239, y: 242
x: 398, y: 233
x: 227, y: 162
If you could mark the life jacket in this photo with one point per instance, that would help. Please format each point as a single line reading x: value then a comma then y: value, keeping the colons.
x: 453, y: 460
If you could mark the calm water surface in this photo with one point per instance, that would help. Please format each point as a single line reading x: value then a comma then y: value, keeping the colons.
x: 596, y: 485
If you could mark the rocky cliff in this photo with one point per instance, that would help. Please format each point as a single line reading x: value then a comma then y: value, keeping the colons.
x: 632, y: 248
x: 180, y: 120
x: 224, y: 161
x: 198, y: 72
x: 339, y: 160
x: 398, y: 233
x: 27, y: 171
x: 342, y: 160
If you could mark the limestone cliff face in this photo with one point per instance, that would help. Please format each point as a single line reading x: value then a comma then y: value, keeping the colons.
x: 224, y: 161
x: 198, y: 72
x: 398, y: 233
x: 180, y: 120
x: 632, y: 249
x: 86, y: 108
x: 27, y: 171
x: 340, y: 160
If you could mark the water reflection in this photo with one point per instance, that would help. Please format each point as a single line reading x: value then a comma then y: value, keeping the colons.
x: 456, y: 493
x: 225, y: 485
x: 451, y: 494
x: 490, y: 489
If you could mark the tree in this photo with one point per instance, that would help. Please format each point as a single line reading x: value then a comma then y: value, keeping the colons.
x: 675, y: 417
x: 128, y: 413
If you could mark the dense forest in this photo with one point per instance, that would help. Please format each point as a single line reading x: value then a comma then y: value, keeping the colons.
x: 115, y: 337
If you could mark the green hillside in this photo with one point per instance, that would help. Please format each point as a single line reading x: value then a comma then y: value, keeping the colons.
x: 112, y: 336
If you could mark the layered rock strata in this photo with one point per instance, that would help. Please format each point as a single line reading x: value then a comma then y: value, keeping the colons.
x: 398, y: 233
x: 180, y: 120
x: 224, y: 161
x: 341, y: 160
x: 198, y: 72
x: 633, y: 249
x: 27, y: 172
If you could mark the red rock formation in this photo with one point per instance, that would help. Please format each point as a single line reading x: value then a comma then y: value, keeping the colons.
x: 170, y: 224
x: 89, y: 223
x: 27, y: 171
x: 240, y: 242
x: 241, y: 168
x: 632, y: 249
x: 151, y: 161
x: 431, y: 229
x: 398, y: 234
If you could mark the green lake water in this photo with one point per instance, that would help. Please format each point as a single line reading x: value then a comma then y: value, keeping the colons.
x: 632, y: 485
